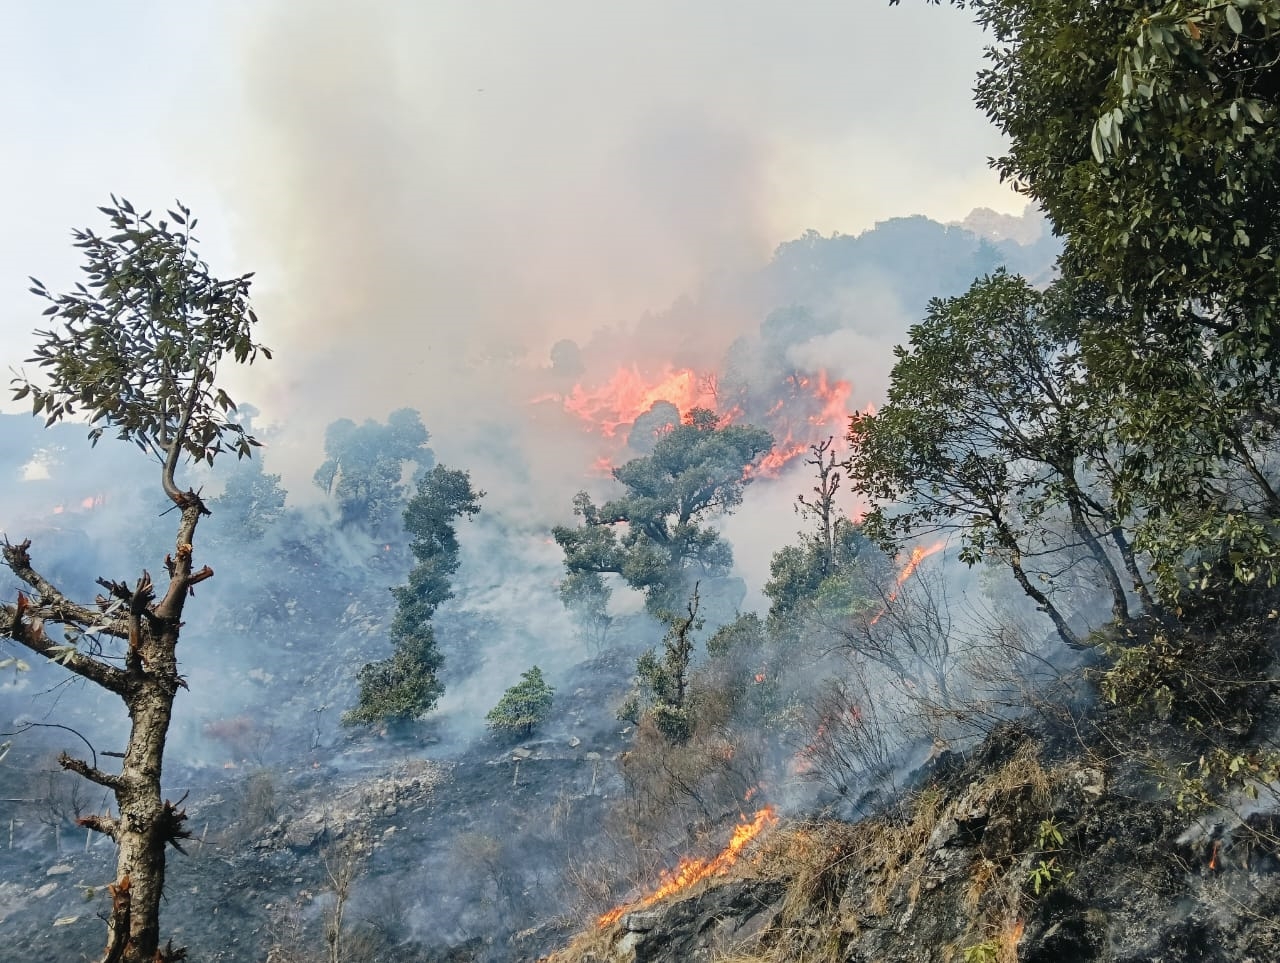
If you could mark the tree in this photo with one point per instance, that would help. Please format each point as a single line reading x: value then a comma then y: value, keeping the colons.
x: 525, y: 705
x: 364, y: 470
x: 988, y: 433
x: 138, y: 353
x: 405, y: 686
x: 1148, y: 132
x: 822, y: 565
x: 653, y: 536
x: 663, y: 683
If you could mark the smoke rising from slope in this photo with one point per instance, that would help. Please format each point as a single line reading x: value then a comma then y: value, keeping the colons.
x: 437, y: 194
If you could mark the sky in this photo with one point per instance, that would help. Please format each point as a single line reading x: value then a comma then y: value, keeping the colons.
x: 421, y: 187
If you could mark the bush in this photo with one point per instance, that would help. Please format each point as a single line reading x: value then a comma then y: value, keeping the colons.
x: 525, y: 705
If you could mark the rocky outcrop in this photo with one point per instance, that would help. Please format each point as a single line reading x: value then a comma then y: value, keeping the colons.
x: 1020, y: 853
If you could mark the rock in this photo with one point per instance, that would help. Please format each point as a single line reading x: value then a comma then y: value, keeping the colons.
x: 641, y: 922
x: 521, y: 753
x: 304, y: 832
x: 700, y: 928
x: 62, y: 869
x: 1090, y: 781
x: 44, y: 890
x: 574, y: 742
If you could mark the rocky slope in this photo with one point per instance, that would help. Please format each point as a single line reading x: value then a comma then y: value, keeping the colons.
x: 1104, y: 835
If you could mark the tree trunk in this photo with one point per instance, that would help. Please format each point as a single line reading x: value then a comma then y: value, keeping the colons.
x: 1119, y: 601
x: 148, y: 823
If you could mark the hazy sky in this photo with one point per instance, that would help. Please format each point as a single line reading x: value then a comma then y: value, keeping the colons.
x: 422, y: 184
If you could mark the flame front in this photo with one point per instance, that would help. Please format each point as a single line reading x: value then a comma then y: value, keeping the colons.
x: 629, y: 394
x: 798, y: 409
x: 690, y: 872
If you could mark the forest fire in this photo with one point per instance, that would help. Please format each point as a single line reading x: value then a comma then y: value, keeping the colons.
x: 918, y: 555
x: 693, y: 871
x: 799, y: 409
x: 86, y: 504
x: 628, y: 394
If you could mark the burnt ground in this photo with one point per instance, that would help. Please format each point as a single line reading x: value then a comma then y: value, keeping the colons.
x: 455, y: 851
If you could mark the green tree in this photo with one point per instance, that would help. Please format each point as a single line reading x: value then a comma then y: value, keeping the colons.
x: 525, y: 705
x: 365, y: 466
x: 138, y: 353
x: 406, y: 685
x: 662, y: 692
x: 988, y: 433
x: 654, y: 536
x: 1147, y: 131
x: 826, y: 563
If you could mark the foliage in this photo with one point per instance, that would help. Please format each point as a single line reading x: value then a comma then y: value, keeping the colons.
x: 405, y: 686
x: 586, y: 596
x: 805, y: 574
x: 141, y: 341
x: 823, y: 568
x: 525, y: 705
x: 743, y: 637
x: 1147, y: 131
x: 653, y: 536
x: 990, y: 432
x: 365, y: 465
x: 254, y: 499
x: 663, y: 682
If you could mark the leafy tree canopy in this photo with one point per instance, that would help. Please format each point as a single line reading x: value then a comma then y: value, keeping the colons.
x: 141, y: 340
x: 365, y: 467
x: 405, y: 686
x: 654, y: 535
x: 525, y: 705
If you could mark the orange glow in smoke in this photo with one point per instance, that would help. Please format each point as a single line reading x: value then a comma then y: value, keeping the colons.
x: 810, y: 408
x: 690, y: 872
x: 629, y: 394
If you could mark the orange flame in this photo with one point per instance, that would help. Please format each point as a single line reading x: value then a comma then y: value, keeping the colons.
x: 918, y: 555
x: 1213, y: 856
x: 1014, y: 934
x: 690, y: 871
x: 628, y: 394
x: 811, y: 407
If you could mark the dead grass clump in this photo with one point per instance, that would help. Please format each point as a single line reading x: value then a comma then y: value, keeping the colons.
x: 590, y: 946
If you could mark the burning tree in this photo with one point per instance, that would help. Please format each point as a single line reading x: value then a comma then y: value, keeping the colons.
x: 138, y: 353
x: 652, y: 536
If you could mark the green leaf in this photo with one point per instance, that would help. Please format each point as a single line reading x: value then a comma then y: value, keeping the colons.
x: 1233, y: 18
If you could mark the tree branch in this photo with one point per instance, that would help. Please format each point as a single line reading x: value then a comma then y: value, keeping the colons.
x: 52, y: 605
x: 82, y: 768
x: 30, y: 633
x: 107, y: 825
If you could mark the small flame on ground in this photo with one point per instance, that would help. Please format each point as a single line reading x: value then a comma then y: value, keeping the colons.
x: 1213, y: 856
x: 689, y: 872
x: 1014, y: 934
